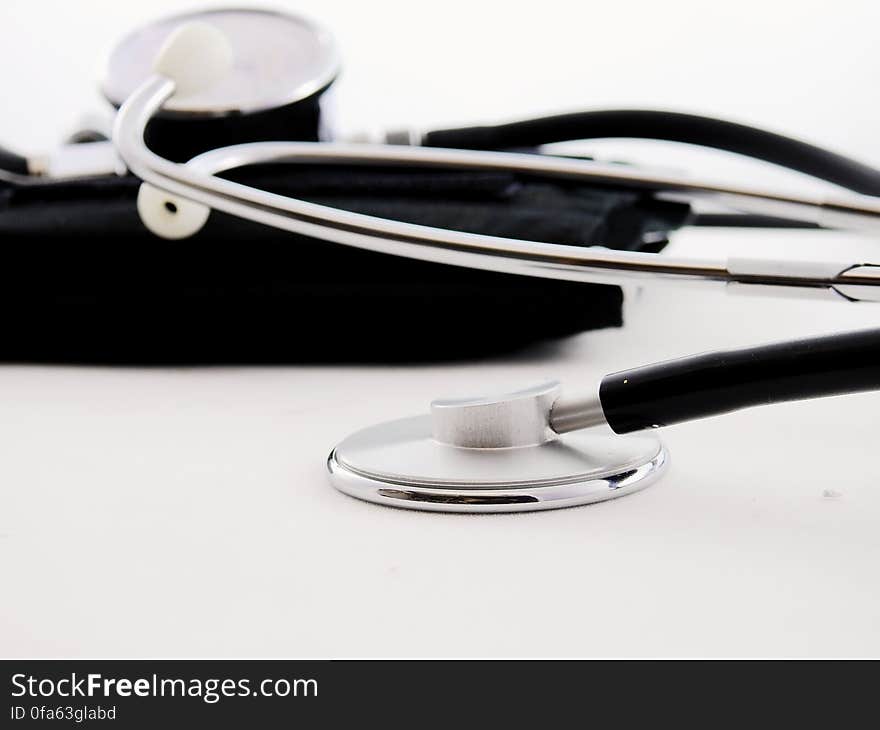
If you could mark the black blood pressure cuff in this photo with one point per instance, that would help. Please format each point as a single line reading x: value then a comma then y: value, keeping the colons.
x: 84, y: 281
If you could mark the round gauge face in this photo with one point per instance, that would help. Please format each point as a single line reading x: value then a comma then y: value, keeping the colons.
x: 278, y: 59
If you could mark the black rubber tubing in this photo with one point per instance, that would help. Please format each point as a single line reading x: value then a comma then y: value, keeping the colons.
x: 717, y: 134
x: 720, y: 382
x: 12, y: 162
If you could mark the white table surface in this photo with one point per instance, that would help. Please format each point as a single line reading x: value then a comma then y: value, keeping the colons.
x: 186, y: 512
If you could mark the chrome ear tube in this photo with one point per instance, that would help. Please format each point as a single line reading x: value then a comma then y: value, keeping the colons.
x: 194, y: 189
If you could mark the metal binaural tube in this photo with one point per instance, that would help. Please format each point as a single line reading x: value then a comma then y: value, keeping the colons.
x: 196, y: 181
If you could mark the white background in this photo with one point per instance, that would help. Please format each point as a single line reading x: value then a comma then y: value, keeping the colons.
x: 185, y: 512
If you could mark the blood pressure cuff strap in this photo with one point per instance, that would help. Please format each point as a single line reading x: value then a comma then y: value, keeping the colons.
x: 84, y: 281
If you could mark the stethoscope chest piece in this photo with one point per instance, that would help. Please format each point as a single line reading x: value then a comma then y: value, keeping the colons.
x: 450, y: 460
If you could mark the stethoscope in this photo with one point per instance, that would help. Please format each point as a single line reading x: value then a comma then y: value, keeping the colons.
x: 537, y: 448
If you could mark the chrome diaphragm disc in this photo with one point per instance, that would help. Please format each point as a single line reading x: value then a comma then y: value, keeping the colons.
x: 401, y: 464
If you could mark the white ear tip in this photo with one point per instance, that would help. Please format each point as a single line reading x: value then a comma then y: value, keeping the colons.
x: 167, y: 215
x: 195, y: 56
